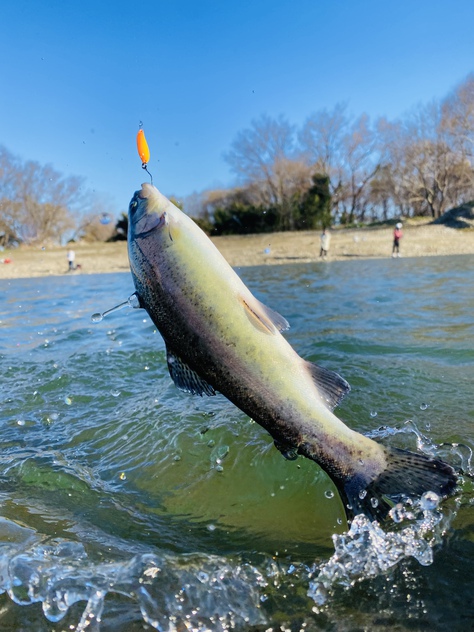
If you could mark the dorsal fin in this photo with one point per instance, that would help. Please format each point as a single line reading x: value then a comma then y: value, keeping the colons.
x: 185, y: 378
x: 262, y: 317
x: 331, y: 386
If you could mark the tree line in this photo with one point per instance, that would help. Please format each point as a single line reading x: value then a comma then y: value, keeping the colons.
x: 40, y: 205
x: 338, y: 168
x: 335, y: 169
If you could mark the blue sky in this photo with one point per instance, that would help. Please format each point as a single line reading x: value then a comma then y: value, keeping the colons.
x: 78, y: 77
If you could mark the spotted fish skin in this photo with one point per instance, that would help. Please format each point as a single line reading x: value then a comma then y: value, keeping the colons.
x: 220, y: 338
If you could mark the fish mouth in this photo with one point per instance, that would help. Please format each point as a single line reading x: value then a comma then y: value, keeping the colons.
x: 146, y: 191
x: 143, y: 221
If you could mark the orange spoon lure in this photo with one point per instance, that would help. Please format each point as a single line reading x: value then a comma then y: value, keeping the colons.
x: 143, y: 151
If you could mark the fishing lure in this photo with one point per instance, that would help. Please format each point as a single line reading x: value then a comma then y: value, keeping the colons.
x: 143, y: 151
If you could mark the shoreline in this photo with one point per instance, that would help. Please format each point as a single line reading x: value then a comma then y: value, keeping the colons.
x: 347, y: 244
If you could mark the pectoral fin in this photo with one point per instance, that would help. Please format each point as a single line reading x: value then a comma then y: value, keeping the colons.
x: 185, y: 378
x: 262, y: 317
x: 331, y: 386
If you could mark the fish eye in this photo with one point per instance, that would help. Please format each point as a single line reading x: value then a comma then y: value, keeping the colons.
x: 133, y: 205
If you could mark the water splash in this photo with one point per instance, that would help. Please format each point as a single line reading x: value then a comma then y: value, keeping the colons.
x: 173, y: 592
x: 209, y: 592
x: 132, y: 301
x: 367, y: 550
x: 459, y: 455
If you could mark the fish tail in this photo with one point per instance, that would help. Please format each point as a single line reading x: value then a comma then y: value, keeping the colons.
x: 406, y: 475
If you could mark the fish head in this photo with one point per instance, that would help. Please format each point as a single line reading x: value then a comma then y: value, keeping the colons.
x: 151, y: 215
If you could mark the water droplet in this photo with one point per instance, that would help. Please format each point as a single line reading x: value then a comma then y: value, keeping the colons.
x: 177, y: 457
x: 133, y: 301
x: 397, y: 513
x: 67, y: 400
x: 423, y: 406
x: 218, y: 454
x: 429, y: 501
x: 374, y: 502
x: 362, y: 494
x: 329, y: 493
x: 373, y: 413
x: 147, y: 368
x: 211, y: 527
x: 122, y: 476
x: 222, y: 451
x: 115, y: 393
x: 21, y: 422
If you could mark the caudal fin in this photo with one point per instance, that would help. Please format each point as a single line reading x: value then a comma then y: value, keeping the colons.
x: 407, y: 475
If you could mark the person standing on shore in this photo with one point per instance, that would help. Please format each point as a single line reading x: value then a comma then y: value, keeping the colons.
x: 71, y: 256
x: 325, y: 242
x: 397, y: 235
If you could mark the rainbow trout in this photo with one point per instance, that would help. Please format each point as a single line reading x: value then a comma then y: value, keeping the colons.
x: 219, y: 337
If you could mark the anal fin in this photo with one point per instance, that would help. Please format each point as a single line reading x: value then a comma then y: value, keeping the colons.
x: 331, y: 386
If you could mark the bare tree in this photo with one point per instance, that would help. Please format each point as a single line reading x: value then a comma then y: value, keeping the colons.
x: 321, y: 139
x: 457, y: 118
x: 392, y: 183
x: 359, y: 164
x: 423, y: 170
x: 38, y: 203
x: 9, y: 207
x: 257, y: 153
x: 263, y: 157
x: 344, y: 149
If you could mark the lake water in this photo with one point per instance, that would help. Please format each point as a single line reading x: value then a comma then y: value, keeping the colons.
x: 125, y: 500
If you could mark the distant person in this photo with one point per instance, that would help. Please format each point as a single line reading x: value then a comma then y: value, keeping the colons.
x: 71, y: 256
x: 325, y: 242
x: 397, y: 235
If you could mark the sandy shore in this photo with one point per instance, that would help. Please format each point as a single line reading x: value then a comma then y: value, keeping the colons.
x: 275, y: 248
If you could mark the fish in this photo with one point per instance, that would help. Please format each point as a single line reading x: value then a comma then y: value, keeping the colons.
x: 221, y: 339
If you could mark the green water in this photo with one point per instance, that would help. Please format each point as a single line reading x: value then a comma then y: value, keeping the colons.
x: 149, y: 507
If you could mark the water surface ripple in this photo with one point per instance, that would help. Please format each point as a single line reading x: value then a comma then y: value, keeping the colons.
x: 127, y: 505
